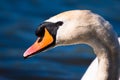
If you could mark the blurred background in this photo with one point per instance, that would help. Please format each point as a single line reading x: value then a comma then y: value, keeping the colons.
x: 18, y: 21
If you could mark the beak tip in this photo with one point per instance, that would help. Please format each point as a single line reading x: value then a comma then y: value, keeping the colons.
x: 25, y: 55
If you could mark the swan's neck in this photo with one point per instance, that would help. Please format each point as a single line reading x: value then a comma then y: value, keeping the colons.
x: 108, y: 59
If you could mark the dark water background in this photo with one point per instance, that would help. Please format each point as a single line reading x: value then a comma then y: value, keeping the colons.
x: 18, y: 21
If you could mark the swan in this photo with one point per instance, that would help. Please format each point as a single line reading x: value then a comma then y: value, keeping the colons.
x: 82, y: 27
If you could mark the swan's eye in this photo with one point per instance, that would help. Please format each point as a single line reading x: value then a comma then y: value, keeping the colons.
x: 40, y: 31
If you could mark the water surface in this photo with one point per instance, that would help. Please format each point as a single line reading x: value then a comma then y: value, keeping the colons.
x: 18, y: 21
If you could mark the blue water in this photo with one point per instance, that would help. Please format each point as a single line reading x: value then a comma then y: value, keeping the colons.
x: 18, y: 21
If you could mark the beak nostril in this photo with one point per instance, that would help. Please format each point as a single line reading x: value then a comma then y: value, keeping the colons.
x: 39, y: 40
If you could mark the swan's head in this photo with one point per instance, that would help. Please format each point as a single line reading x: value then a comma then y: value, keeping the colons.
x: 66, y: 28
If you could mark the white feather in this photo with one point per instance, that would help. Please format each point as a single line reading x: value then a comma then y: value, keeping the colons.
x: 83, y: 26
x: 92, y: 69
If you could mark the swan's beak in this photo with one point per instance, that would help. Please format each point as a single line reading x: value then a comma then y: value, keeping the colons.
x: 39, y: 45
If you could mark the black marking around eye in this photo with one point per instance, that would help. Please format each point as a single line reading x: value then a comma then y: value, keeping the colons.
x: 50, y: 26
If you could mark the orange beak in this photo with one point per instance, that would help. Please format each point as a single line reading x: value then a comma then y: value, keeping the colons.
x: 39, y: 45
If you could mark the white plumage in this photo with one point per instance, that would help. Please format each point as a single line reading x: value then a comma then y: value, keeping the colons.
x: 83, y: 26
x: 92, y: 69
